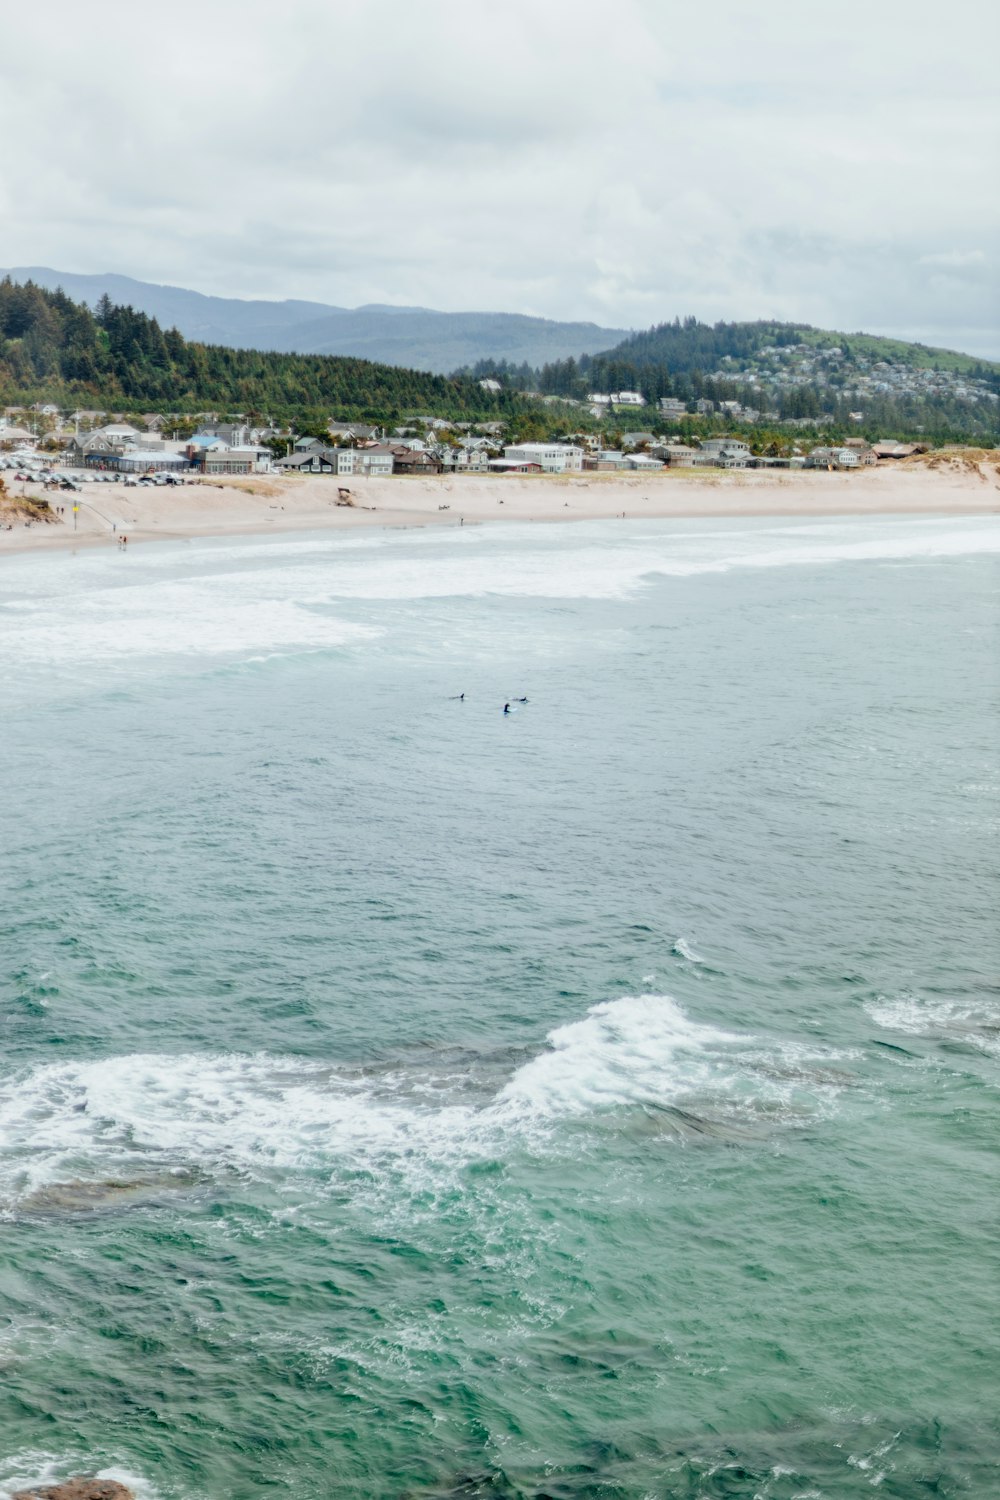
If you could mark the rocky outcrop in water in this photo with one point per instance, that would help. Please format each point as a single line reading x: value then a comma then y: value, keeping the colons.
x: 77, y: 1489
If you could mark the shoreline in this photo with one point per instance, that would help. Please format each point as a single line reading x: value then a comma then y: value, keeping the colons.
x: 262, y: 505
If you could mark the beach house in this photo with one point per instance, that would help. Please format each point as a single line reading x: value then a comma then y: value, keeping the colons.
x: 551, y: 458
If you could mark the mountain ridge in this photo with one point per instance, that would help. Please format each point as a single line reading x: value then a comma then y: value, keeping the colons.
x: 412, y: 337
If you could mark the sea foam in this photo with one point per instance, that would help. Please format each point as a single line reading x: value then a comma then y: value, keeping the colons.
x: 940, y: 1018
x: 71, y: 1120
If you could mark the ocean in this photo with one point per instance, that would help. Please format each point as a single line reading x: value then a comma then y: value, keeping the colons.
x: 403, y: 1098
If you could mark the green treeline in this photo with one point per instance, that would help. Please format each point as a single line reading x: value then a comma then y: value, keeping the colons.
x: 53, y: 349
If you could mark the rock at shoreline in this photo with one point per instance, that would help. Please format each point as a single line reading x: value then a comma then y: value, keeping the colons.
x: 77, y: 1489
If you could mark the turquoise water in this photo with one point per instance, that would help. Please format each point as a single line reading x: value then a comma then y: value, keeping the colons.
x: 601, y: 1101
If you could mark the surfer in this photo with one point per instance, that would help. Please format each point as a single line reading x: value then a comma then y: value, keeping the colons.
x: 458, y: 697
x: 506, y: 708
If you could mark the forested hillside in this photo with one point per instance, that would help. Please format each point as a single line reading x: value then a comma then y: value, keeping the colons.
x: 764, y: 373
x: 53, y: 349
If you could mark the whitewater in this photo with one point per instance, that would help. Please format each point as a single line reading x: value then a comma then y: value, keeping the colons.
x: 402, y: 1098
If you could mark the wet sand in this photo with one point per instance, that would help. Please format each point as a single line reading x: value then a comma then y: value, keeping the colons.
x: 936, y: 484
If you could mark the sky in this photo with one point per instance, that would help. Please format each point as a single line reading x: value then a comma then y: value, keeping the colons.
x: 626, y: 163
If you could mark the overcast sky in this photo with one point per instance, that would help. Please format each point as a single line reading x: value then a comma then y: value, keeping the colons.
x: 624, y: 162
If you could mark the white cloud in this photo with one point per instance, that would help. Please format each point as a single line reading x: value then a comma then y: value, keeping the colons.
x: 622, y: 163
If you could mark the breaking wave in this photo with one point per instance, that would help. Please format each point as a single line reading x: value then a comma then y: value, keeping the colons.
x: 137, y: 1116
x: 683, y: 949
x: 283, y: 595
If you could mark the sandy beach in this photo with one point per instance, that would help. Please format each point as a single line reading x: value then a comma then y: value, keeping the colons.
x: 932, y: 484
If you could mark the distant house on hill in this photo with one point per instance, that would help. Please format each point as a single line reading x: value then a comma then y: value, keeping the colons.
x: 359, y: 432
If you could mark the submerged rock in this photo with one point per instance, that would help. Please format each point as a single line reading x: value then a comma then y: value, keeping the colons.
x: 77, y: 1489
x: 106, y: 1193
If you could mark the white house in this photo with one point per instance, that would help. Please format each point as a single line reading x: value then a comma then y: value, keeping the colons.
x: 553, y: 458
x: 121, y: 435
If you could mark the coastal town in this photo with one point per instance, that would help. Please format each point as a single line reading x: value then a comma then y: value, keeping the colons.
x: 93, y: 446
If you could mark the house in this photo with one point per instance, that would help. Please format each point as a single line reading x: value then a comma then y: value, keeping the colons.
x: 893, y: 450
x: 357, y: 432
x: 832, y: 458
x: 376, y: 462
x: 344, y: 460
x: 210, y: 455
x: 307, y: 444
x: 551, y: 458
x: 643, y: 461
x: 468, y: 460
x: 411, y: 461
x: 605, y: 459
x: 673, y: 406
x: 11, y: 435
x: 493, y: 386
x: 121, y: 434
x: 637, y: 439
x: 232, y: 434
x: 676, y: 454
x: 724, y: 453
x: 91, y: 449
x: 312, y: 461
